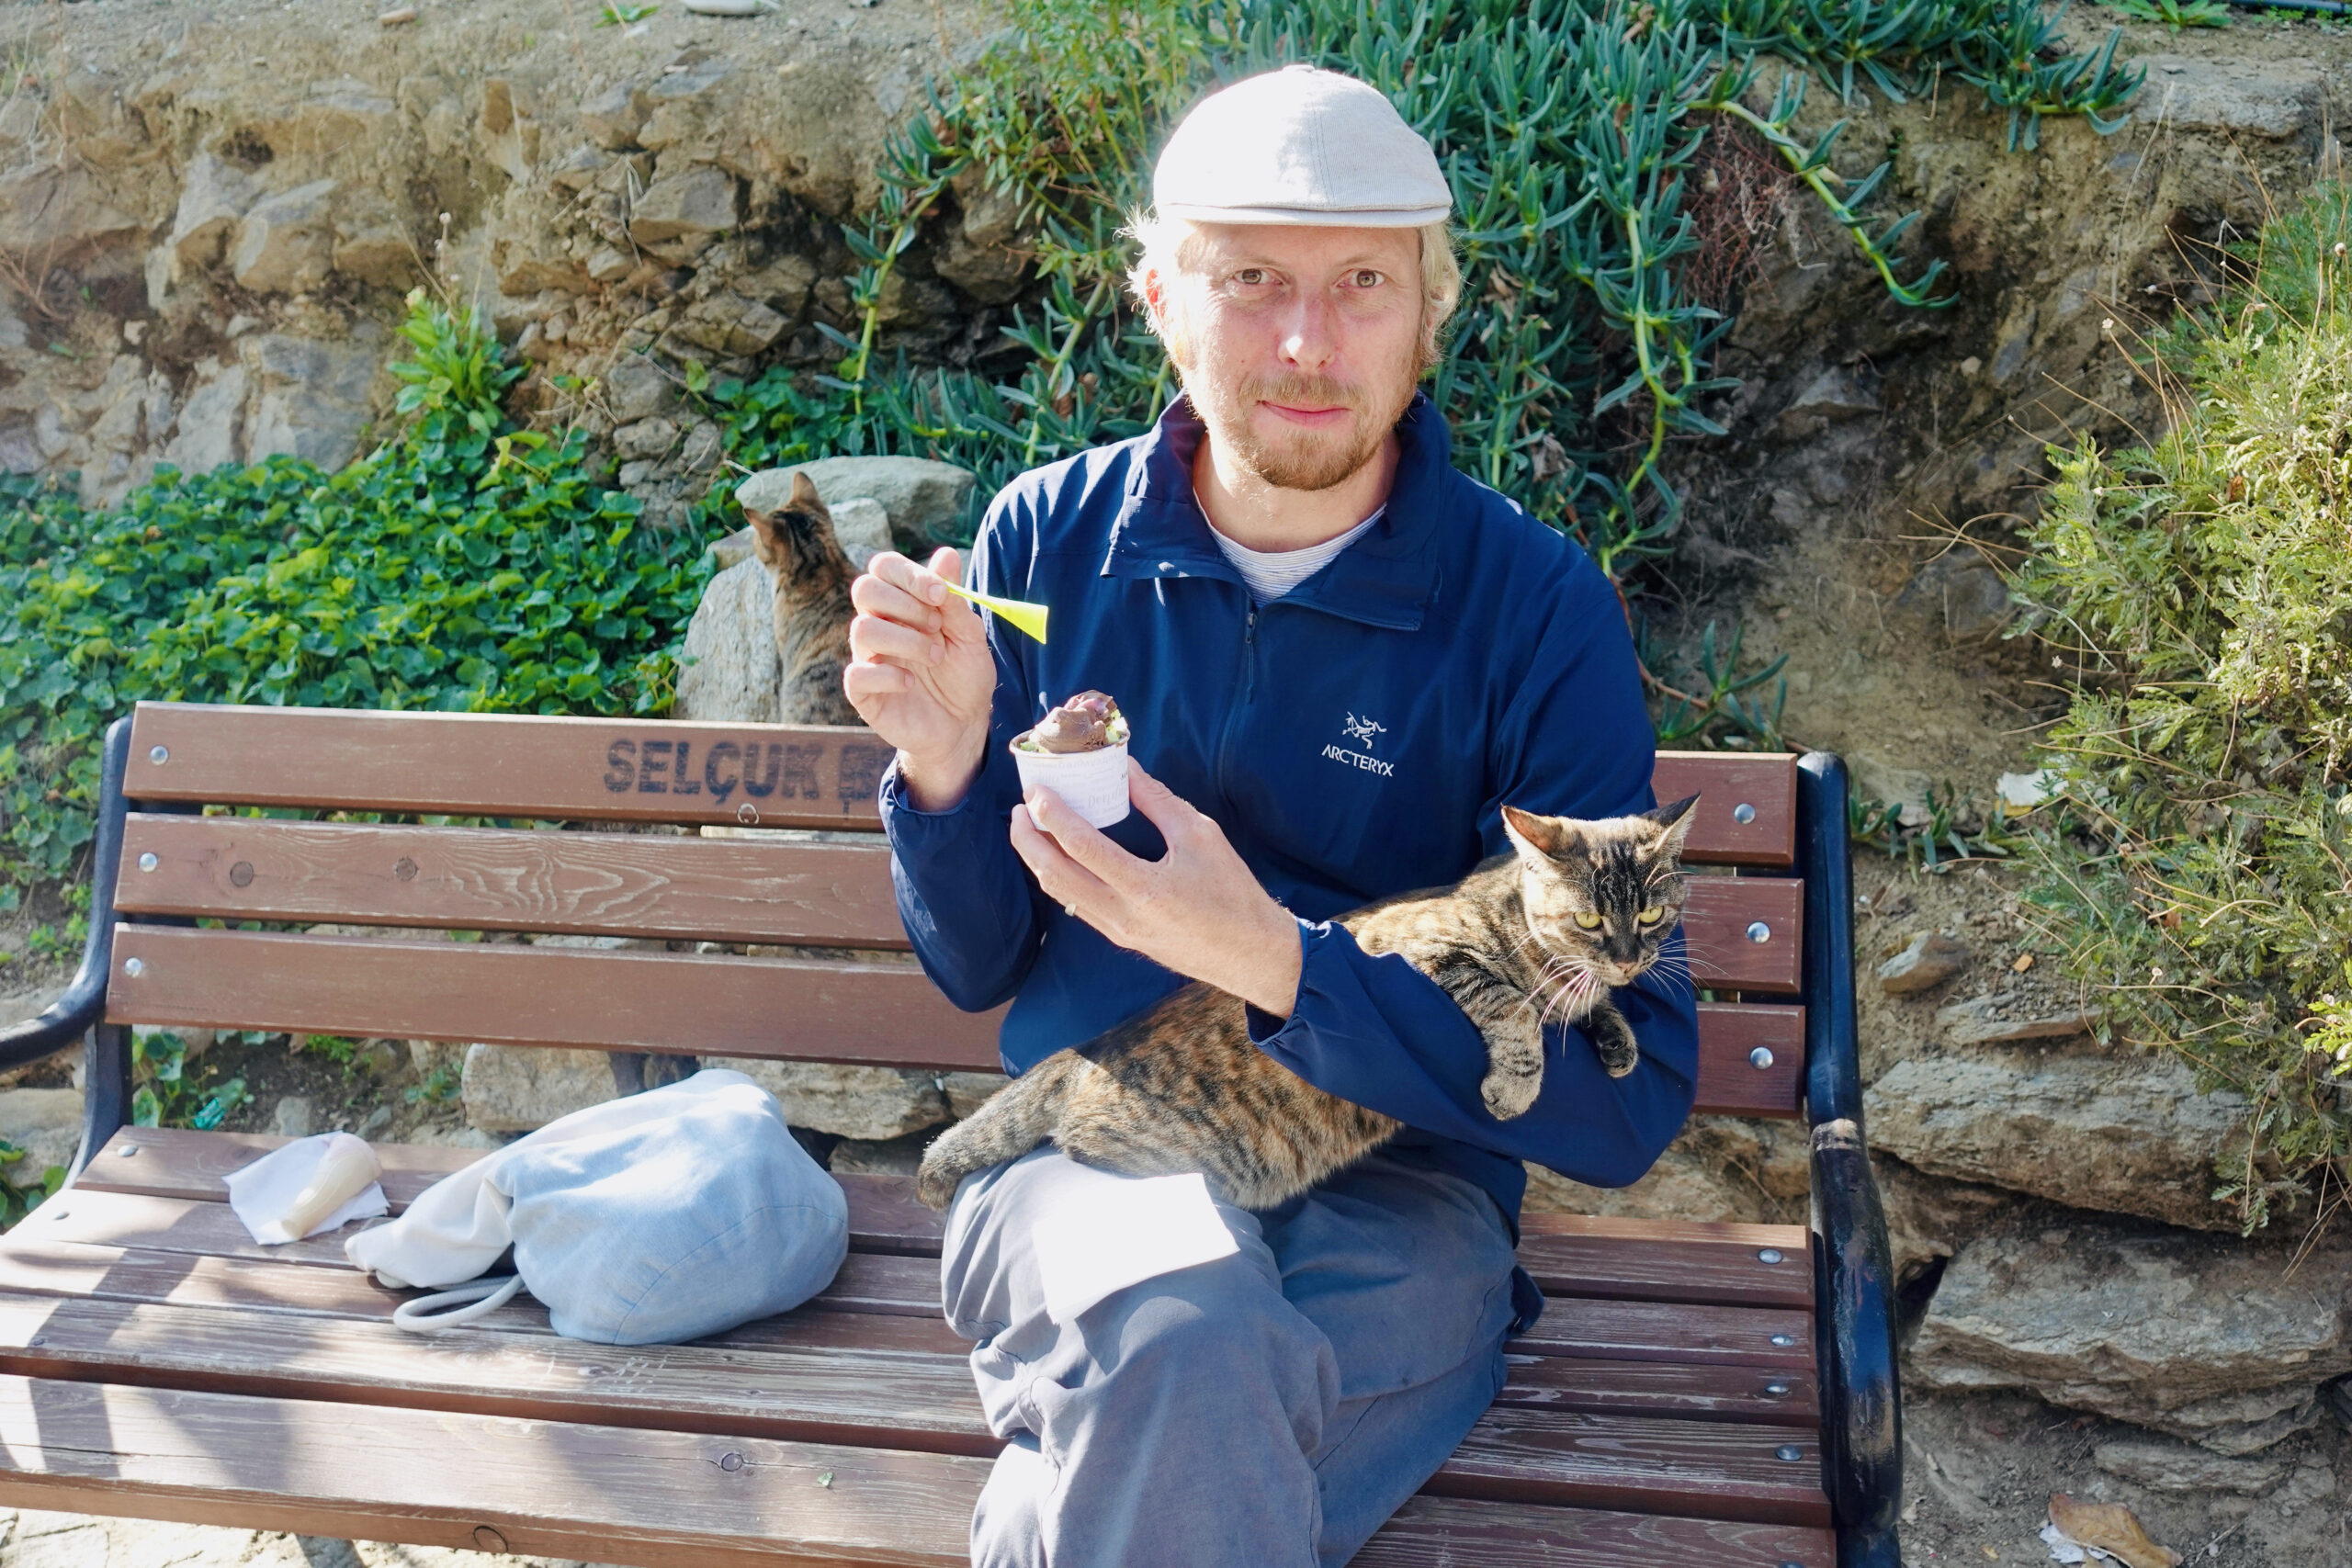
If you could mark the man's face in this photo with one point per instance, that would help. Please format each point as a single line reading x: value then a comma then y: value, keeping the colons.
x: 1299, y: 346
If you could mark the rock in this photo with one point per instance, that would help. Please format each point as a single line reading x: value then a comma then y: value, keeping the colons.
x: 44, y: 1122
x: 2127, y: 1136
x: 1720, y: 1168
x: 2173, y: 1467
x: 57, y: 214
x: 728, y: 670
x: 924, y: 499
x: 286, y: 242
x: 985, y: 255
x: 862, y: 528
x: 1906, y: 789
x: 1835, y: 395
x: 516, y: 1088
x: 1987, y: 1020
x: 869, y: 1103
x: 613, y: 118
x: 294, y: 1117
x: 869, y: 1156
x: 372, y: 244
x: 1929, y: 961
x: 966, y: 1092
x: 650, y: 439
x: 1964, y: 589
x: 1929, y: 1218
x: 2227, y: 95
x: 313, y: 397
x: 636, y: 389
x: 210, y: 429
x: 2220, y: 1342
x: 215, y: 195
x: 685, y: 210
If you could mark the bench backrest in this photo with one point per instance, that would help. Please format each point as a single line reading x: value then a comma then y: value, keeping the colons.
x: 828, y: 888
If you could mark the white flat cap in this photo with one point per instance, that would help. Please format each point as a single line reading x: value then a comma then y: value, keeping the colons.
x: 1299, y: 145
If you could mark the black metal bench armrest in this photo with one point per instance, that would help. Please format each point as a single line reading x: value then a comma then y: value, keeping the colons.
x: 85, y: 1000
x: 1861, y: 1400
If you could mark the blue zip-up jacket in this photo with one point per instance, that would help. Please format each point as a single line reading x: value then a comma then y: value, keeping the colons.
x: 1354, y: 739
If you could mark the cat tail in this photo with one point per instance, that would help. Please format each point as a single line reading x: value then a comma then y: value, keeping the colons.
x: 1015, y: 1120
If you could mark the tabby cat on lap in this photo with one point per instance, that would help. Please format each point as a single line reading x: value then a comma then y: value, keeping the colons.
x: 1538, y: 934
x: 813, y: 574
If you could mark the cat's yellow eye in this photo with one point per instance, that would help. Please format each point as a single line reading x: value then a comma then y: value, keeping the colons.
x: 1588, y: 920
x: 1652, y: 915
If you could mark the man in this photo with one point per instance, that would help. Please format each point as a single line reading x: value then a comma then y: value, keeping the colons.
x: 1339, y: 658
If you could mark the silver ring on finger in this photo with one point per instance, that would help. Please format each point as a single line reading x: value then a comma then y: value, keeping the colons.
x: 1070, y: 910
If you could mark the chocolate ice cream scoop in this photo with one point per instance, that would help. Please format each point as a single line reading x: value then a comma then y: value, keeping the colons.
x: 1088, y: 722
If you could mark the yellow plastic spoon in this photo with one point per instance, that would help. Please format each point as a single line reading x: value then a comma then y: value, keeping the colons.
x: 1030, y: 618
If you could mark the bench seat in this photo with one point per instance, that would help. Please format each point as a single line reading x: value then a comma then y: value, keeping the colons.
x: 1665, y: 1402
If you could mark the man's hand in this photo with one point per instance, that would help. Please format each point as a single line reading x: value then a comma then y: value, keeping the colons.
x: 1198, y: 911
x: 921, y: 675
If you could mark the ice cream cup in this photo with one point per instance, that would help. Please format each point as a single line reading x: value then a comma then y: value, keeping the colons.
x: 1093, y: 783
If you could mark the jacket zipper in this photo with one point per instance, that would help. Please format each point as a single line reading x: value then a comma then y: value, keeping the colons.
x: 1233, y: 714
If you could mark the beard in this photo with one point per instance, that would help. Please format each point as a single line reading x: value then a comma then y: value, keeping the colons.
x: 1301, y: 459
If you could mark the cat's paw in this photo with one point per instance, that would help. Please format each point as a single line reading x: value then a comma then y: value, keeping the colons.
x: 1508, y: 1094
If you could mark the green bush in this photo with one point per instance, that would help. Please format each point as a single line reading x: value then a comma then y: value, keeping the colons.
x: 2199, y: 876
x: 465, y: 565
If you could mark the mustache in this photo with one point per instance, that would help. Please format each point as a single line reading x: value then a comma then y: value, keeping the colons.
x: 1299, y: 390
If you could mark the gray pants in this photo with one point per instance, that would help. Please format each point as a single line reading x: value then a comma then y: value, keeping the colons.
x: 1265, y: 1410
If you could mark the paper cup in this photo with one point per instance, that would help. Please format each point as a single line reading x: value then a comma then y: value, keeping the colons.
x: 1094, y: 783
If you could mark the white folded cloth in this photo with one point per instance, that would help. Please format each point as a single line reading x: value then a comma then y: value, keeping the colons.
x: 262, y: 1191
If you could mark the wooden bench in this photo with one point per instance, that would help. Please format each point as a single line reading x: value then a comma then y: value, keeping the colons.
x: 1712, y: 1396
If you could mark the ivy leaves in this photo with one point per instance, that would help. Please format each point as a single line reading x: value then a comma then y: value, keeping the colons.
x: 463, y: 566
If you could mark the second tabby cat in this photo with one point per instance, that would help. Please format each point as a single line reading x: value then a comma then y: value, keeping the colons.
x: 812, y: 573
x: 1538, y: 934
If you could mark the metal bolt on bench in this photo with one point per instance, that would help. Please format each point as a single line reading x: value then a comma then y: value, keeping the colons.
x: 1715, y: 1394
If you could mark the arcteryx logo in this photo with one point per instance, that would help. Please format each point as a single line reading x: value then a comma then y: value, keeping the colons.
x: 1363, y: 732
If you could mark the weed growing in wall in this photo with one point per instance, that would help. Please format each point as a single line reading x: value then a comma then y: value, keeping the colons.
x: 2197, y: 877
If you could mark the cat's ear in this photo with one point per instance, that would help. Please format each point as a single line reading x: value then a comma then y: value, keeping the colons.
x: 766, y: 545
x: 804, y: 492
x: 1675, y: 819
x: 1545, y: 838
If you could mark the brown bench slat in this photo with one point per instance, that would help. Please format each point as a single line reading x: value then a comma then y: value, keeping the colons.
x: 1706, y: 1470
x: 508, y: 765
x: 1660, y: 1261
x: 659, y: 1500
x: 255, y: 1286
x: 1662, y: 1388
x: 747, y: 890
x: 172, y: 1162
x: 1723, y: 782
x: 869, y: 1283
x: 1567, y: 1254
x: 1730, y: 1083
x: 492, y: 879
x: 1447, y: 1532
x: 114, y: 1274
x: 590, y: 769
x: 599, y: 1494
x: 120, y: 1275
x: 508, y: 994
x: 924, y: 1402
x: 900, y: 1401
x: 1680, y: 1332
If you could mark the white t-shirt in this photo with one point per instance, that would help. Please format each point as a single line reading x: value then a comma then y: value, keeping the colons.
x: 1272, y: 573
